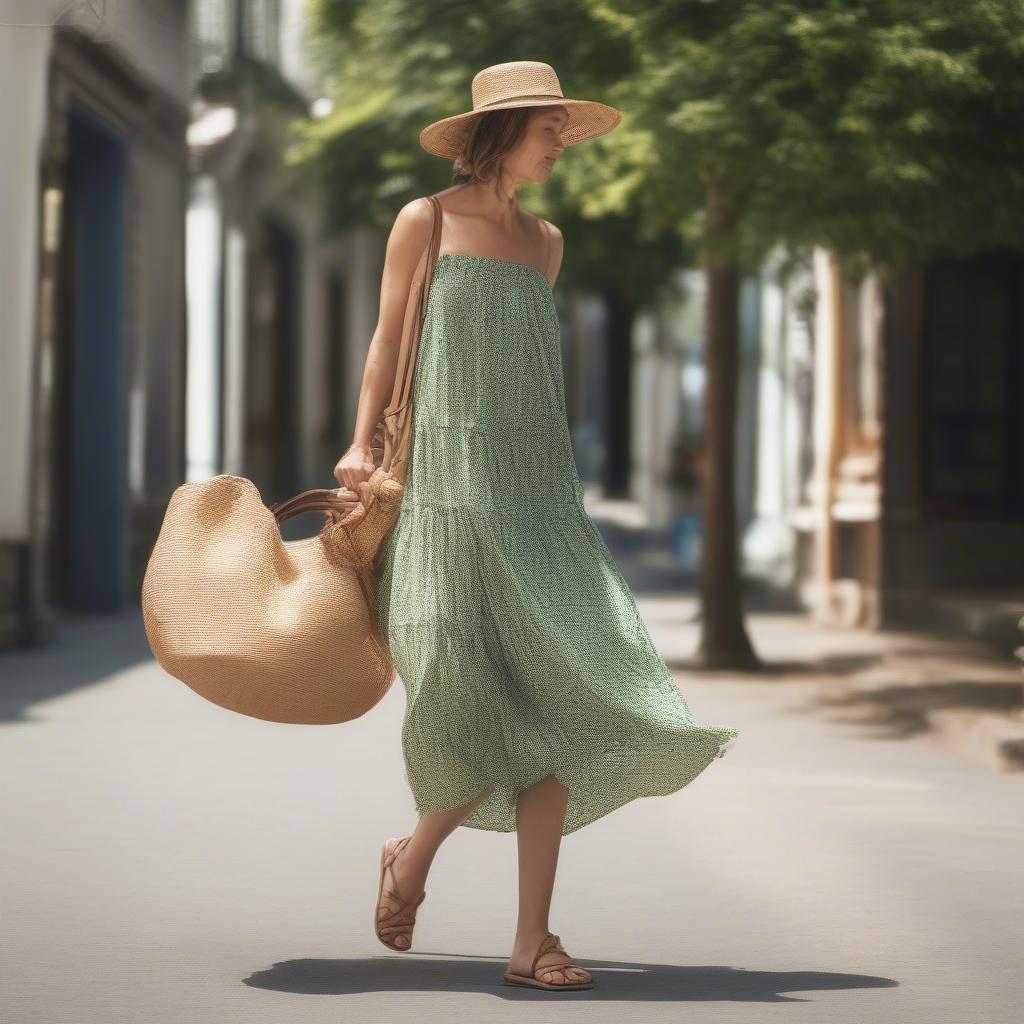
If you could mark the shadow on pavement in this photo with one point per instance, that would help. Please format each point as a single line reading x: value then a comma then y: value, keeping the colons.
x: 901, y: 710
x: 87, y: 649
x: 612, y: 980
x: 811, y: 669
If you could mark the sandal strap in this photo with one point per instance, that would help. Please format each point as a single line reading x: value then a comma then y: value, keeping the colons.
x: 555, y: 967
x: 404, y: 906
x: 388, y: 861
x: 399, y: 919
x: 546, y: 945
x: 549, y: 943
x: 403, y: 917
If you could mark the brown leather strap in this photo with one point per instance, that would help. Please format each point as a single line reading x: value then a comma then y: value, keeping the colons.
x: 398, y: 415
x: 546, y: 946
x: 342, y: 499
x: 416, y: 310
x: 317, y: 499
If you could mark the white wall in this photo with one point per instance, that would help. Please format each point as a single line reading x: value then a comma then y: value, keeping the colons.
x: 151, y: 35
x: 296, y: 64
x: 204, y: 272
x: 24, y: 55
x: 769, y: 543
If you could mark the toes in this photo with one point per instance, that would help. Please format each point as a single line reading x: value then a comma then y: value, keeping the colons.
x: 556, y: 976
x: 563, y: 975
x: 400, y: 939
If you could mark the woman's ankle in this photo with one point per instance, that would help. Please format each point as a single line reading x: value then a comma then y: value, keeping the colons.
x: 414, y: 864
x: 419, y: 852
x: 530, y: 935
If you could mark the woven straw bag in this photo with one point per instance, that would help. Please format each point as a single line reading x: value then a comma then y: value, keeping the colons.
x: 285, y: 631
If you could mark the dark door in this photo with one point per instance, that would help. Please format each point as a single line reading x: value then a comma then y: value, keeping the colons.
x: 89, y: 500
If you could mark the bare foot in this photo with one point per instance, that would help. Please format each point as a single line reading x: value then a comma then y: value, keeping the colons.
x: 525, y: 949
x: 407, y: 879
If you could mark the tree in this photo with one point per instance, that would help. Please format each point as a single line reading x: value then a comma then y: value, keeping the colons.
x: 888, y: 131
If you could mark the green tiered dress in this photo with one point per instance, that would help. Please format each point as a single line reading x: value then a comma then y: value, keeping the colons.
x: 517, y: 639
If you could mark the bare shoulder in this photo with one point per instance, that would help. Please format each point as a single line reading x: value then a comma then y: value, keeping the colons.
x: 554, y: 235
x: 550, y: 228
x: 414, y: 221
x: 553, y: 247
x: 410, y: 232
x: 407, y: 241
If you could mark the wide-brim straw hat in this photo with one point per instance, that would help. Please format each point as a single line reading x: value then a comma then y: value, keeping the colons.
x: 518, y: 83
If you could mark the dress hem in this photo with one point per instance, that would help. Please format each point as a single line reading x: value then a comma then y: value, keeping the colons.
x: 729, y: 737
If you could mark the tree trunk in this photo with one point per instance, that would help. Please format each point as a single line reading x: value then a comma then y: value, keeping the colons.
x: 724, y: 642
x: 618, y: 389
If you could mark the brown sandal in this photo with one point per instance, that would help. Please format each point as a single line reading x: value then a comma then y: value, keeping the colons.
x: 404, y: 917
x: 549, y: 942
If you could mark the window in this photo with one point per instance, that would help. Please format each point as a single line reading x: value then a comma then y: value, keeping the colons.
x: 972, y: 381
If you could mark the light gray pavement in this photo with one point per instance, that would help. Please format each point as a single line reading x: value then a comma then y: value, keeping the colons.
x: 169, y: 861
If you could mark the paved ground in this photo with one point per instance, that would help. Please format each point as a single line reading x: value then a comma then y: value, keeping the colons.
x: 168, y: 861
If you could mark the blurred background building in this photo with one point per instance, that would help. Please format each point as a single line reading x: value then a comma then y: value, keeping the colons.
x: 93, y: 114
x: 280, y: 317
x: 169, y: 310
x: 880, y: 439
x: 906, y: 464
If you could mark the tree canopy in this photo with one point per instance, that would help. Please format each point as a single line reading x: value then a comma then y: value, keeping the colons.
x: 885, y: 130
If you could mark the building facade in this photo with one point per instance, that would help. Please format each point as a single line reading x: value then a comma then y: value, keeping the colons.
x: 94, y: 111
x: 880, y: 437
x: 280, y: 315
x: 908, y: 503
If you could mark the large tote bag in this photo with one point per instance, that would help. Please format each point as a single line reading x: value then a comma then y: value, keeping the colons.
x: 279, y: 630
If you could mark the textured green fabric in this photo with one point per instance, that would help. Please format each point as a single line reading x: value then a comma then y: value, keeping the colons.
x: 519, y: 643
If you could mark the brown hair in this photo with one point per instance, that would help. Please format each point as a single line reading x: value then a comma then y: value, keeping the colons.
x: 493, y: 135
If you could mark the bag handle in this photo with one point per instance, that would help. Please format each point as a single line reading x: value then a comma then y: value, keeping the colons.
x: 317, y: 499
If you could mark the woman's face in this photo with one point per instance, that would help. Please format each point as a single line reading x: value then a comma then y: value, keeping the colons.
x: 540, y: 146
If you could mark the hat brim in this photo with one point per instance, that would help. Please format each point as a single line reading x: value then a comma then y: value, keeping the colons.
x: 587, y: 120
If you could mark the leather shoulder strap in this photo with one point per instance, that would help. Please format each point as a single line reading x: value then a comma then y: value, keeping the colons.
x: 545, y: 229
x: 340, y: 502
x: 416, y: 310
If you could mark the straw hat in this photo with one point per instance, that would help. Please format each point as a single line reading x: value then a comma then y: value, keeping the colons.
x: 518, y: 83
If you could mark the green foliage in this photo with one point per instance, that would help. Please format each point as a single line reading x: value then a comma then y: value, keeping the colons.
x: 886, y: 130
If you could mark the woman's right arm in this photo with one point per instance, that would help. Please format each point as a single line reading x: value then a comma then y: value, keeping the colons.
x: 409, y: 237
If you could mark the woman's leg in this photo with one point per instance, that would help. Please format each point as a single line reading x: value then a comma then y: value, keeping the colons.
x: 540, y: 817
x: 412, y: 865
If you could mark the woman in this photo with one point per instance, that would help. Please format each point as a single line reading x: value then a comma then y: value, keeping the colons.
x: 535, y: 700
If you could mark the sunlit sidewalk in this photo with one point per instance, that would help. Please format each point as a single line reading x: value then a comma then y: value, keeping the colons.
x: 167, y: 861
